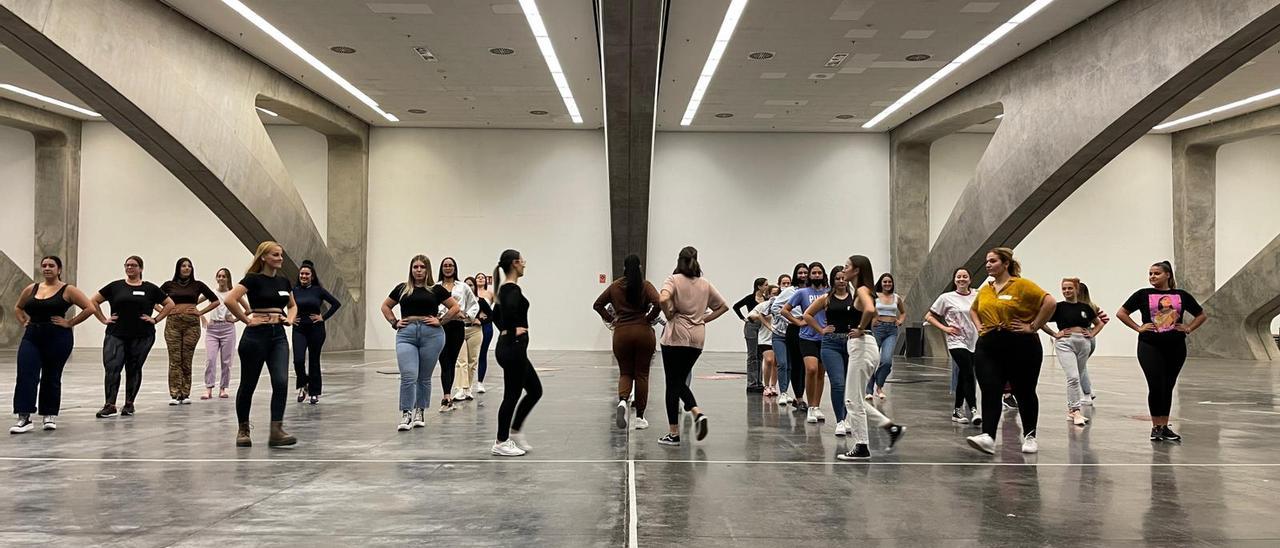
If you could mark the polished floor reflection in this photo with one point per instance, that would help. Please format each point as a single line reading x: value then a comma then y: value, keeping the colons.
x: 171, y: 475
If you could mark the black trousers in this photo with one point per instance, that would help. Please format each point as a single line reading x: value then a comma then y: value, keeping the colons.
x: 965, y: 386
x: 42, y: 355
x: 126, y: 355
x: 1161, y: 362
x: 454, y: 335
x: 795, y: 359
x: 308, y: 341
x: 263, y: 345
x: 1014, y: 358
x: 677, y: 364
x: 518, y: 376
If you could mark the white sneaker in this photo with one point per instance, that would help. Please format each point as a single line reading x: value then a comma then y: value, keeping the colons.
x: 51, y: 422
x: 783, y: 399
x: 518, y: 439
x: 1087, y: 400
x: 185, y: 401
x: 842, y: 429
x: 456, y: 395
x: 406, y: 421
x: 620, y: 414
x: 983, y: 442
x: 817, y: 412
x: 419, y: 417
x: 479, y: 388
x: 812, y: 416
x: 640, y: 423
x: 23, y: 425
x: 466, y: 394
x: 507, y: 449
x: 174, y: 401
x: 1029, y: 444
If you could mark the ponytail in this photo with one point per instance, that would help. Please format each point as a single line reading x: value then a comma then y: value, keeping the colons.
x: 1006, y: 256
x: 1167, y: 267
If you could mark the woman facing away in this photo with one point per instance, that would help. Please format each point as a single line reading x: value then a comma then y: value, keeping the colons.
x: 689, y: 302
x: 629, y: 305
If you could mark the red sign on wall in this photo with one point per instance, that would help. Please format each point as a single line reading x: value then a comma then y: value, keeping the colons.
x: 602, y: 279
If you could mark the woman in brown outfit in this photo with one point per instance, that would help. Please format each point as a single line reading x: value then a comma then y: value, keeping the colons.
x: 634, y: 308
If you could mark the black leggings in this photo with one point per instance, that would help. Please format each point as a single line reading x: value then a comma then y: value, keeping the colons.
x: 518, y: 375
x: 454, y: 335
x: 126, y: 355
x: 1015, y: 358
x: 1161, y: 363
x: 677, y: 363
x: 42, y: 355
x: 965, y: 386
x: 263, y: 345
x: 308, y: 340
x: 795, y: 359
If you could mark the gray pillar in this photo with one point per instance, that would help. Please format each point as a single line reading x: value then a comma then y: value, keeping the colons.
x: 348, y: 231
x: 1195, y: 215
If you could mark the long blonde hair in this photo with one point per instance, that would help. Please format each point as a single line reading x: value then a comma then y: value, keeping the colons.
x: 264, y: 248
x: 426, y: 282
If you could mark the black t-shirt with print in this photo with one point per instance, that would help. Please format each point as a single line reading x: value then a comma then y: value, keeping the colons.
x: 1068, y: 315
x: 129, y: 303
x: 1164, y: 308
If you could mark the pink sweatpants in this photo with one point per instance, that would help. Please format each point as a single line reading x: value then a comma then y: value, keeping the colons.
x: 220, y: 345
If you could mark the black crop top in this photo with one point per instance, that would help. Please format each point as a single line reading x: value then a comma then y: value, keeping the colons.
x: 841, y: 313
x: 266, y: 292
x: 189, y: 292
x: 423, y: 301
x: 512, y: 310
x: 487, y: 311
x: 45, y: 310
x: 1068, y: 315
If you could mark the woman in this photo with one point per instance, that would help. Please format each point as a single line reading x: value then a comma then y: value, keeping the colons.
x: 271, y: 308
x: 628, y: 306
x: 950, y: 314
x: 833, y: 316
x: 863, y: 355
x: 46, y: 344
x: 783, y: 331
x: 784, y: 281
x: 511, y: 316
x: 795, y: 361
x: 309, y: 333
x: 1077, y: 324
x: 764, y: 340
x: 1162, y: 351
x: 182, y: 329
x: 685, y: 298
x: 220, y: 338
x: 455, y: 330
x: 890, y: 312
x: 131, y: 332
x: 751, y: 331
x: 485, y: 295
x: 469, y: 356
x: 1008, y: 311
x: 419, y: 337
x: 810, y: 340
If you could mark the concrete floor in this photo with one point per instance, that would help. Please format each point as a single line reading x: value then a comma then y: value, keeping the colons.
x: 171, y: 476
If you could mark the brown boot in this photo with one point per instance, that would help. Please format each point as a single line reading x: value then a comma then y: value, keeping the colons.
x: 278, y: 436
x: 242, y: 436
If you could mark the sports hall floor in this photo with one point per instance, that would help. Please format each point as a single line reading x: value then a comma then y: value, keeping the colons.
x: 172, y: 477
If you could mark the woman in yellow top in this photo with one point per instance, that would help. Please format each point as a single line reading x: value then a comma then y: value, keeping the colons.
x: 1008, y: 311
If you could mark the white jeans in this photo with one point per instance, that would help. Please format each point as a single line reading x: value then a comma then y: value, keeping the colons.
x: 1073, y: 355
x: 864, y: 357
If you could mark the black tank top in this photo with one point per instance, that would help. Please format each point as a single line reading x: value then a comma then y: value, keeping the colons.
x: 44, y: 310
x: 841, y: 314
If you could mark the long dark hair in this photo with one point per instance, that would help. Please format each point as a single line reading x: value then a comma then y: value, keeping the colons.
x: 1167, y: 267
x: 633, y: 274
x: 950, y: 286
x: 440, y: 274
x: 822, y: 281
x: 315, y: 278
x: 863, y: 264
x: 56, y: 260
x: 880, y: 282
x: 831, y: 277
x: 687, y: 263
x: 795, y: 275
x: 177, y: 269
x: 505, y: 262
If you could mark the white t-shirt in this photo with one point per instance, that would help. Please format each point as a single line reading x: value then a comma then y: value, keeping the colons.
x: 953, y: 309
x: 764, y: 336
x: 220, y: 314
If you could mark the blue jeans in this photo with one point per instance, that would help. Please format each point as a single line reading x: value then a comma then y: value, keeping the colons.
x: 418, y: 347
x: 886, y: 335
x: 784, y: 368
x: 835, y: 359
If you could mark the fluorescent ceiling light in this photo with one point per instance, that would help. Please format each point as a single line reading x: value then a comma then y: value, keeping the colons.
x: 713, y: 58
x: 292, y: 46
x: 1223, y: 108
x: 968, y: 54
x: 49, y: 100
x: 267, y: 112
x: 549, y: 55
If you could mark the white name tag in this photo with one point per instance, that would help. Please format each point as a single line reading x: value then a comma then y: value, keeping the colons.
x: 1005, y: 297
x: 284, y: 293
x: 140, y: 293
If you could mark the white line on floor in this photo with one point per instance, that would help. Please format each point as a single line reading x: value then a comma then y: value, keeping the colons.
x: 633, y: 528
x: 372, y: 363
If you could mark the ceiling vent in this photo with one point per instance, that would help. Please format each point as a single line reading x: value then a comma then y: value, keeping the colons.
x: 915, y: 58
x: 724, y: 115
x: 417, y: 111
x: 501, y: 51
x: 821, y: 75
x: 425, y: 54
x: 342, y: 49
x: 761, y: 55
x: 844, y: 116
x: 836, y: 59
x: 538, y: 112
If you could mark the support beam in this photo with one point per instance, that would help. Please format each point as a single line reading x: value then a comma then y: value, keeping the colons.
x: 631, y: 52
x: 1070, y: 110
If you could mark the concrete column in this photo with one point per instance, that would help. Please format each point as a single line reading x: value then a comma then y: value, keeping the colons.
x: 908, y: 209
x: 1195, y: 214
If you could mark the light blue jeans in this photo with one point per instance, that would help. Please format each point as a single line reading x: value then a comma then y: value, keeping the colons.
x: 835, y: 359
x: 784, y: 369
x: 418, y: 347
x: 886, y: 335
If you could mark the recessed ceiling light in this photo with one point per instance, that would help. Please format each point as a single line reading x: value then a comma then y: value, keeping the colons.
x: 1223, y: 108
x: 342, y: 49
x: 538, y: 112
x: 303, y: 54
x: 836, y: 59
x: 501, y: 51
x: 267, y: 112
x: 540, y: 34
x: 721, y: 43
x: 417, y: 111
x: 919, y: 57
x: 844, y: 116
x: 973, y: 51
x: 724, y: 115
x: 49, y: 100
x: 425, y: 54
x: 760, y: 55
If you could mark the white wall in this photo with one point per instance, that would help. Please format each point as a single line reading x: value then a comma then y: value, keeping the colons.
x: 305, y: 154
x: 1106, y: 233
x: 17, y: 185
x: 470, y: 194
x: 1247, y: 194
x: 722, y: 193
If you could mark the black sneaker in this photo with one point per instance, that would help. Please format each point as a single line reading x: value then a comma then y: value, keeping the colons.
x: 755, y: 389
x: 1009, y: 402
x: 23, y: 425
x: 1169, y: 434
x: 895, y: 433
x: 670, y: 439
x: 701, y: 424
x: 859, y: 452
x: 127, y: 411
x: 802, y: 405
x: 108, y: 410
x: 1157, y: 433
